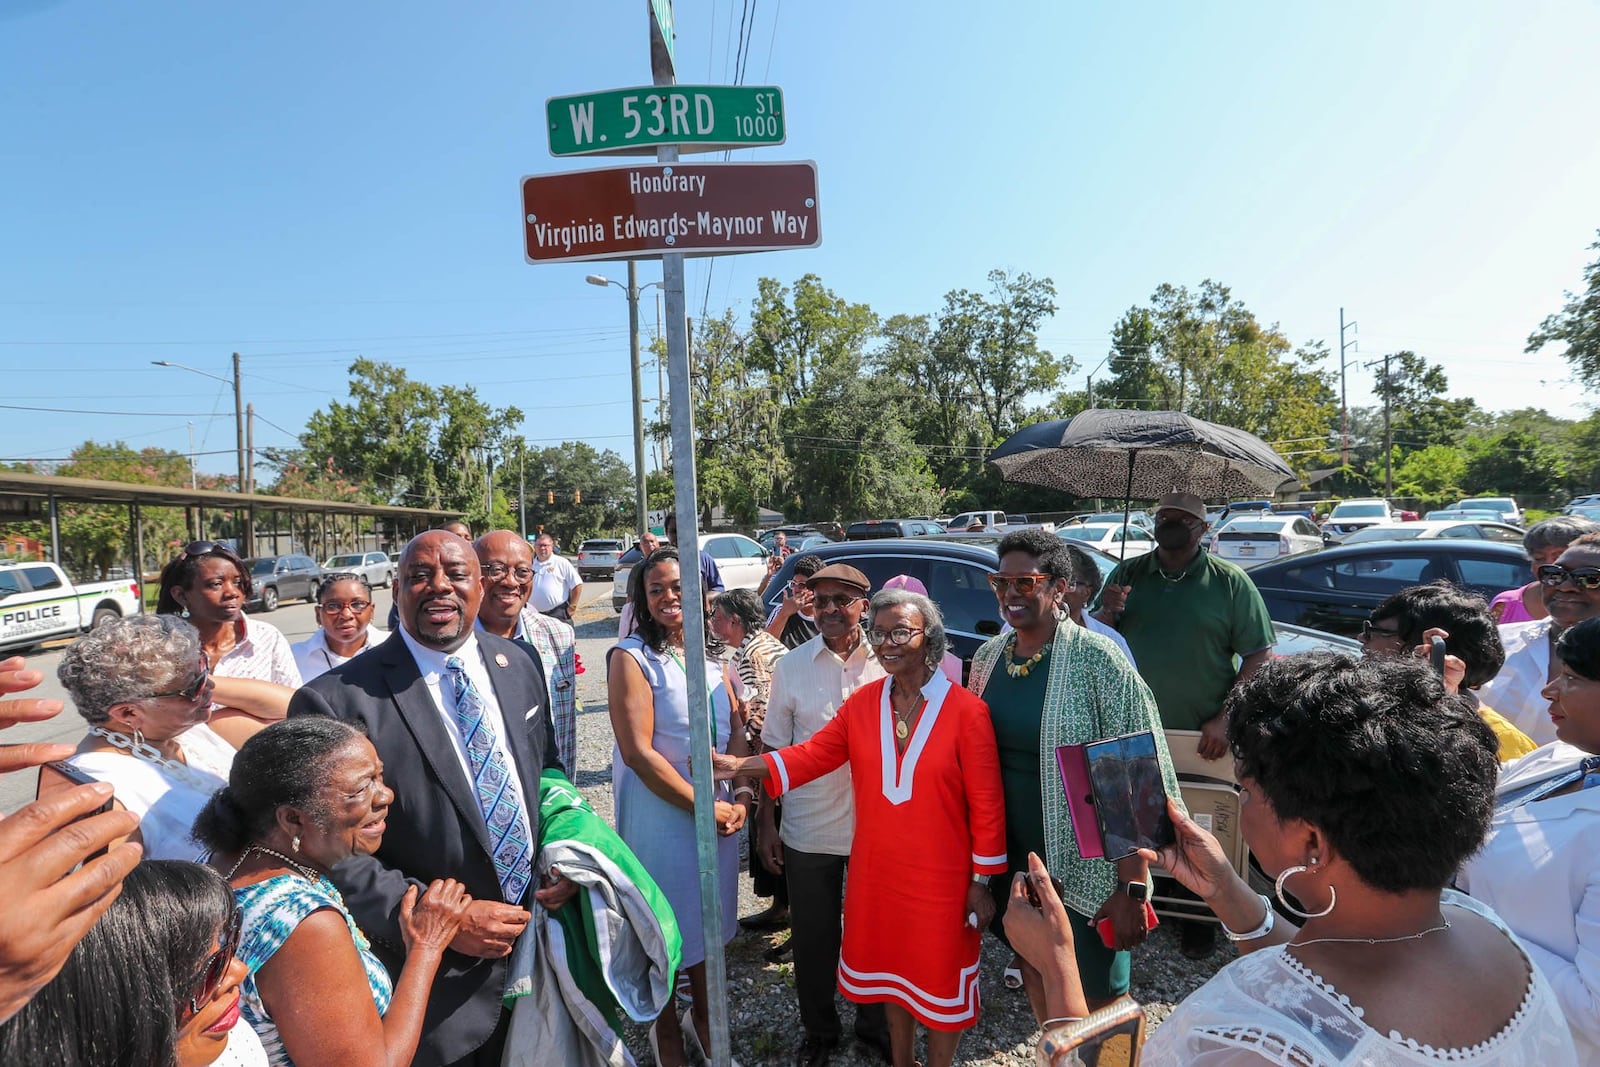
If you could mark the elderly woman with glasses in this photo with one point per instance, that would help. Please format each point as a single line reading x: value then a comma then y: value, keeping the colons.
x: 305, y: 795
x: 344, y: 626
x: 1051, y: 682
x: 929, y: 814
x: 208, y: 584
x: 146, y: 690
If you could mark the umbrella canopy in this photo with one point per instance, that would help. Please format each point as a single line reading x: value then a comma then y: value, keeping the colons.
x: 1141, y: 455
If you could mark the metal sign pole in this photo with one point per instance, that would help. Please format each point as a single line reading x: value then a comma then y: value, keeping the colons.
x: 686, y: 509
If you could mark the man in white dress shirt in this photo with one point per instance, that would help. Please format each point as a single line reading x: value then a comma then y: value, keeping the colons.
x: 1515, y: 691
x: 557, y: 585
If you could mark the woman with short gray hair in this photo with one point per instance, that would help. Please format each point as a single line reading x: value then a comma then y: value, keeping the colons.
x: 1544, y: 542
x: 929, y: 811
x: 145, y: 688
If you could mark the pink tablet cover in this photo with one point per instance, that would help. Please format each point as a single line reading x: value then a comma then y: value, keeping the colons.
x: 1074, y: 766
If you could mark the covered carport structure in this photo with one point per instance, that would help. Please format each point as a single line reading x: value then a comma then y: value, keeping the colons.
x: 38, y: 497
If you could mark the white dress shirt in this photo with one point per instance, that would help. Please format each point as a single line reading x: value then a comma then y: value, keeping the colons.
x: 1540, y: 871
x: 553, y: 582
x: 1094, y: 625
x: 808, y: 686
x: 431, y: 662
x: 1514, y: 692
x: 315, y: 658
x: 261, y: 652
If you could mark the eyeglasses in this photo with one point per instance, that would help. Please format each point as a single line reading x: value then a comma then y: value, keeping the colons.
x: 1370, y: 632
x: 1024, y: 584
x: 1554, y: 574
x: 897, y: 636
x: 339, y: 607
x: 841, y: 600
x: 496, y: 571
x: 217, y: 964
x: 192, y: 690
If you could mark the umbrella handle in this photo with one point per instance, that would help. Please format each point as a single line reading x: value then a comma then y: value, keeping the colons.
x: 1127, y: 505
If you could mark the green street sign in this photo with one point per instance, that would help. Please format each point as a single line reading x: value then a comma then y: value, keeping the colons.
x: 696, y: 118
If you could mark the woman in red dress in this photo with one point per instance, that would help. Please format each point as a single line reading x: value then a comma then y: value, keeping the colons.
x: 929, y: 814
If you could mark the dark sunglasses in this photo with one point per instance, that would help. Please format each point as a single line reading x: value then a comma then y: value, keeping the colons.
x: 192, y: 690
x: 1024, y: 584
x: 1369, y: 631
x: 841, y: 600
x: 203, y: 548
x: 1554, y: 574
x: 217, y: 964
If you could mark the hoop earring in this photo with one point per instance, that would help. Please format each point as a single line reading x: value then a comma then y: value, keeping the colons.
x: 1333, y: 897
x: 184, y: 614
x: 138, y: 739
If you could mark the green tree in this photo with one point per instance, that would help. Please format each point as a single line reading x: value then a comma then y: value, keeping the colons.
x: 1513, y: 463
x: 574, y: 491
x: 992, y: 342
x: 95, y: 537
x: 1577, y: 325
x: 1420, y: 412
x: 795, y: 333
x: 945, y: 418
x: 1432, y: 475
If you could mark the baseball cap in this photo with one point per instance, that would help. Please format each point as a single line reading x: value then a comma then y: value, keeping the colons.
x: 840, y: 572
x: 1187, y: 503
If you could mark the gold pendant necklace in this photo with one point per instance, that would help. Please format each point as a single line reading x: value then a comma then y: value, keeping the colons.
x: 1022, y: 670
x: 901, y: 730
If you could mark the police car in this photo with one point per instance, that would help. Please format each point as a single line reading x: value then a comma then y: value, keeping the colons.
x: 38, y: 602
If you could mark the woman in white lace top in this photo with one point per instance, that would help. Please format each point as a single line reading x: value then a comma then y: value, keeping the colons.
x: 1363, y: 788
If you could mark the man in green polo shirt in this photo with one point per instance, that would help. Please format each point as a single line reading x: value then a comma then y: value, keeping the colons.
x: 1185, y: 615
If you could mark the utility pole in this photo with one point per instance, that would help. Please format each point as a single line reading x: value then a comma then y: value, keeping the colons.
x: 1385, y: 387
x: 522, y: 493
x: 194, y: 482
x: 1344, y: 396
x: 238, y: 420
x: 250, y: 447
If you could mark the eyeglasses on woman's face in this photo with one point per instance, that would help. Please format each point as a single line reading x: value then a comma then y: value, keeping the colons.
x: 216, y: 967
x: 339, y: 607
x: 1023, y: 584
x: 900, y: 635
x: 190, y: 692
x: 1555, y: 575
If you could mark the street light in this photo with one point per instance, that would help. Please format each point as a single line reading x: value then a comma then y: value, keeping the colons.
x: 632, y: 291
x: 238, y: 423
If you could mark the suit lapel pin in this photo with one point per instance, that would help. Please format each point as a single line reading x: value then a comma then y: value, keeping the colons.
x: 500, y: 660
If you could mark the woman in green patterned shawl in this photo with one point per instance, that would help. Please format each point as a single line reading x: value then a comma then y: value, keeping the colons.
x: 1051, y: 682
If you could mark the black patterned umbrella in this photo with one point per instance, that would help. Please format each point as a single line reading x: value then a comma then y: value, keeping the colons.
x: 1112, y: 453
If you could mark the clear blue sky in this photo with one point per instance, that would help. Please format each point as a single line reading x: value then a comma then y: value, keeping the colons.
x: 303, y: 183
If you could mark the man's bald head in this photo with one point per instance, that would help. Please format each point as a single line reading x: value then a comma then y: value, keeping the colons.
x: 439, y: 589
x: 507, y: 564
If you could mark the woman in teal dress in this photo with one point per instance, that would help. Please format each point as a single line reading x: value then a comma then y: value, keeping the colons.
x: 1051, y: 682
x: 303, y: 795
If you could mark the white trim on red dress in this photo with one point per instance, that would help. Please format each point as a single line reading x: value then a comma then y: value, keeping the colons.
x: 899, y: 775
x: 919, y: 1000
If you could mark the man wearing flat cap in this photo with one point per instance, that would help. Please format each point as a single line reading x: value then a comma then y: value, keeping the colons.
x: 1186, y: 614
x: 812, y: 848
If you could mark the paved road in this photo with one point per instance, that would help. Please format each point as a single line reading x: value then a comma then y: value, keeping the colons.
x: 296, y: 622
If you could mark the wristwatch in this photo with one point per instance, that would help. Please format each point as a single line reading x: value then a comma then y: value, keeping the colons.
x: 1139, y: 891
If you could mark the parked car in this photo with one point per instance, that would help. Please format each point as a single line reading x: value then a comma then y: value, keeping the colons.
x: 1241, y: 507
x: 1471, y: 530
x: 1348, y: 516
x: 1136, y: 517
x: 1336, y: 589
x: 741, y: 561
x: 275, y: 579
x: 1503, y: 505
x: 794, y: 534
x: 38, y: 602
x: 1113, y: 537
x: 597, y: 557
x: 868, y: 529
x: 955, y: 569
x: 1461, y: 515
x: 1577, y: 503
x: 1251, y: 537
x: 375, y: 567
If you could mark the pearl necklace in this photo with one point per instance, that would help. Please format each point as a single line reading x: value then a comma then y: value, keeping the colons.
x: 144, y: 751
x: 1022, y: 670
x: 1371, y: 940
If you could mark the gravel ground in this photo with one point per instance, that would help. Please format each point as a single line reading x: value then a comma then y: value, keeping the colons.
x: 765, y: 1023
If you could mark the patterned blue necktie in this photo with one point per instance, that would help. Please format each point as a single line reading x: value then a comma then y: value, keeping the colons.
x: 499, y: 796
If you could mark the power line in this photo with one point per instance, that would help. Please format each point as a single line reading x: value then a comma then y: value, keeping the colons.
x: 85, y: 411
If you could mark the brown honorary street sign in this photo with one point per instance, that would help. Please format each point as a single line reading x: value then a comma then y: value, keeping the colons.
x: 642, y: 211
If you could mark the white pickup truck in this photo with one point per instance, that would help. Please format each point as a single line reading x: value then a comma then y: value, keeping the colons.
x: 38, y: 602
x: 996, y: 520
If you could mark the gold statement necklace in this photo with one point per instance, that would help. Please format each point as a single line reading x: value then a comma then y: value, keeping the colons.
x: 1022, y: 670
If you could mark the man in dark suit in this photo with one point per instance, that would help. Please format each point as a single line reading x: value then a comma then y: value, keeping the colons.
x: 461, y: 721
